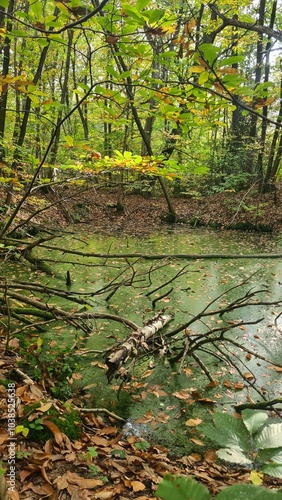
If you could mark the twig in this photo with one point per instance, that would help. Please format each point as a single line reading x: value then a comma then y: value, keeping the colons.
x: 100, y: 410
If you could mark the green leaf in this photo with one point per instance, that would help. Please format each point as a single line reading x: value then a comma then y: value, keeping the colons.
x: 4, y: 3
x: 36, y: 8
x: 247, y: 492
x: 111, y: 71
x: 134, y: 14
x: 154, y: 15
x: 228, y: 431
x: 209, y: 51
x: 233, y: 455
x: 203, y: 78
x: 269, y: 437
x: 273, y: 455
x: 19, y: 33
x: 141, y: 4
x: 181, y: 488
x: 274, y: 470
x: 228, y: 61
x: 254, y: 419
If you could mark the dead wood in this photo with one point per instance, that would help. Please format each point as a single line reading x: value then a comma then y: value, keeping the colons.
x: 135, y: 344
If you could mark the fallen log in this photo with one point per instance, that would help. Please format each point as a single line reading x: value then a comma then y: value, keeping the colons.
x: 135, y: 344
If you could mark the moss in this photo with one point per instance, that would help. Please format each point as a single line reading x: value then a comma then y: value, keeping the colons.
x: 69, y: 423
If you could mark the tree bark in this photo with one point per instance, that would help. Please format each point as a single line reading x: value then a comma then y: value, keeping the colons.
x: 134, y: 345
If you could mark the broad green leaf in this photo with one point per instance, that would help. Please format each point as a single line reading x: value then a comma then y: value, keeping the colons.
x: 270, y: 437
x: 43, y: 42
x: 228, y: 61
x: 34, y: 99
x: 36, y: 9
x: 209, y: 51
x: 203, y: 78
x: 141, y: 4
x: 254, y: 419
x: 247, y: 492
x: 273, y: 455
x: 274, y: 470
x: 228, y: 431
x: 233, y: 455
x: 134, y: 14
x: 19, y: 33
x: 154, y: 15
x: 181, y: 488
x: 4, y: 3
x: 112, y: 71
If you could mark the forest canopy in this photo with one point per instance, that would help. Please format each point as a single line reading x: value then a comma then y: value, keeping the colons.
x: 175, y: 90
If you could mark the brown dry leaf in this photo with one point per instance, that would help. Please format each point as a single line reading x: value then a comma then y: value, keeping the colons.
x: 99, y: 441
x: 54, y: 429
x: 31, y: 469
x: 21, y: 390
x: 192, y: 422
x: 206, y: 401
x: 238, y: 387
x: 137, y: 486
x: 212, y: 384
x: 277, y: 369
x: 45, y: 407
x: 182, y: 394
x: 197, y: 441
x: 108, y: 430
x: 13, y: 495
x: 147, y: 373
x: 3, y: 435
x: 211, y: 456
x: 188, y: 372
x: 36, y: 391
x: 70, y: 457
x: 104, y: 495
x: 42, y: 489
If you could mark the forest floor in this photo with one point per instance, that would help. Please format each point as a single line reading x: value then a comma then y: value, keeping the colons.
x: 227, y: 210
x: 103, y: 463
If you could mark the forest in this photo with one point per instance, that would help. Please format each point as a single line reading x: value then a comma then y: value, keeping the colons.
x: 140, y: 247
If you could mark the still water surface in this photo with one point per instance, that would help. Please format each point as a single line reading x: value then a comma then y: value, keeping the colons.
x: 151, y: 398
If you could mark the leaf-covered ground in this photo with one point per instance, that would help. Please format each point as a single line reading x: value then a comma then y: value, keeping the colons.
x: 101, y: 462
x: 98, y: 208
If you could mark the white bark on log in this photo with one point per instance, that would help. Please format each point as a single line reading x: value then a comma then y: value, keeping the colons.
x: 135, y: 343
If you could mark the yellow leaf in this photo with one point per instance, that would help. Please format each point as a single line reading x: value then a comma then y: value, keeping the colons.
x: 196, y: 69
x: 256, y: 477
x: 39, y: 342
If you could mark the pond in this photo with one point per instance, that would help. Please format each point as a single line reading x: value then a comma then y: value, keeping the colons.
x: 161, y: 397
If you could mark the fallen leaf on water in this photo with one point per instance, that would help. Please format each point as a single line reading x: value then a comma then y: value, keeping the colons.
x: 277, y: 369
x: 197, y: 441
x: 193, y: 421
x: 238, y: 387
